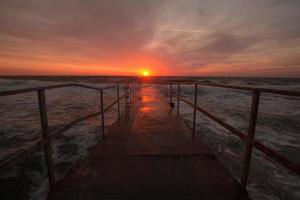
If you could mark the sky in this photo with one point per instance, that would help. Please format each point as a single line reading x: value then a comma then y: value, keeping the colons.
x: 167, y: 37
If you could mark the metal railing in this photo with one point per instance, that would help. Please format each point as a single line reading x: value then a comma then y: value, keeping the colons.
x: 129, y: 93
x: 249, y: 138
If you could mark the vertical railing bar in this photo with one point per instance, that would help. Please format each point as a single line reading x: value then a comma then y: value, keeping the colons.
x: 133, y: 90
x: 45, y: 132
x: 131, y: 86
x: 170, y: 93
x: 167, y: 92
x: 125, y: 92
x: 136, y: 89
x: 195, y: 109
x: 118, y: 96
x: 129, y: 92
x: 178, y: 96
x: 250, y: 138
x: 102, y: 114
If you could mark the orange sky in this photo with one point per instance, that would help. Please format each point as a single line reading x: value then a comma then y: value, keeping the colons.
x: 190, y: 38
x: 130, y: 65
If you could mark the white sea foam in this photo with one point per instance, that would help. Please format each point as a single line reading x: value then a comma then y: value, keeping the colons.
x: 277, y: 127
x: 20, y: 126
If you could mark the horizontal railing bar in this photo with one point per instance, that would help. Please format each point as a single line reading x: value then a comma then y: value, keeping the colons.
x: 264, y: 90
x: 61, y: 130
x: 257, y: 144
x: 71, y: 124
x: 277, y: 157
x: 15, y: 156
x: 109, y: 87
x: 20, y: 91
x: 87, y: 86
x: 214, y: 118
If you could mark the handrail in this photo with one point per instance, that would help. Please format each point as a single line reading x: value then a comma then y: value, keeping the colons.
x: 247, y: 88
x: 263, y: 148
x: 33, y: 89
x: 61, y: 130
x: 128, y: 95
x: 216, y: 119
x: 248, y: 138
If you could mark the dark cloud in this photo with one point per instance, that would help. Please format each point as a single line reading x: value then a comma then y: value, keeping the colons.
x: 229, y: 44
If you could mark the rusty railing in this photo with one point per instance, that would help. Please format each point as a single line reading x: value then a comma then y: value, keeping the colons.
x: 248, y: 138
x: 129, y: 93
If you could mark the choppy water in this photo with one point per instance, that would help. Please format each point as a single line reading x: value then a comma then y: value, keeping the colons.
x: 20, y: 125
x: 278, y: 127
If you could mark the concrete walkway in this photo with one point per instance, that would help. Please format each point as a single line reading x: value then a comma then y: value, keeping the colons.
x: 149, y: 155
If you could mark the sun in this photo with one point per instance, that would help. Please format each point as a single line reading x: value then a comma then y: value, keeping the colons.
x: 145, y: 73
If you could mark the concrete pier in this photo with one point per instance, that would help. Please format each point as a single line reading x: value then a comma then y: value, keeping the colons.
x: 149, y: 154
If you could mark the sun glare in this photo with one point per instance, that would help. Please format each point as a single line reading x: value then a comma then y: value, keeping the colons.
x: 145, y: 73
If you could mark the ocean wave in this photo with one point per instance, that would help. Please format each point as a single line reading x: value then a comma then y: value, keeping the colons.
x: 278, y: 127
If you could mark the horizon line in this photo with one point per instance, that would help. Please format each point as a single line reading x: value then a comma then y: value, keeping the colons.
x: 193, y: 76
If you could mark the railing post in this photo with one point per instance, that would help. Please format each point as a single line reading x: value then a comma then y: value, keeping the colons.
x: 167, y: 90
x: 102, y: 114
x: 250, y: 138
x: 178, y: 96
x: 46, y: 141
x: 118, y: 96
x: 125, y: 98
x: 170, y: 93
x: 129, y: 93
x: 133, y: 90
x: 195, y: 109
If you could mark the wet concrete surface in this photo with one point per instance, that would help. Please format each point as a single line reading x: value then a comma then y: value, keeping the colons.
x: 157, y: 130
x: 150, y: 154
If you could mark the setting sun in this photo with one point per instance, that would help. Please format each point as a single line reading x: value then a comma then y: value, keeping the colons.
x: 145, y: 73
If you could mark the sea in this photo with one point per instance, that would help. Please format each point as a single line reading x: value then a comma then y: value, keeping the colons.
x: 278, y: 127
